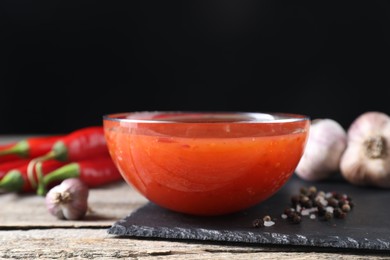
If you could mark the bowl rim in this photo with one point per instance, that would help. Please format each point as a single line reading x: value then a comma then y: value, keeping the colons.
x: 251, y: 117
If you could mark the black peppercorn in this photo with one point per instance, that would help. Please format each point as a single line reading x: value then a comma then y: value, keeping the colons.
x: 303, y: 191
x: 337, y: 212
x: 342, y: 202
x: 296, y: 219
x: 321, y: 211
x: 333, y: 202
x: 328, y: 215
x: 258, y: 223
x: 308, y: 204
x: 288, y: 211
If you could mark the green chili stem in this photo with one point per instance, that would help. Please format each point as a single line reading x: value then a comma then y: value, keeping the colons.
x: 20, y: 148
x: 71, y: 170
x: 61, y: 151
x: 12, y: 182
x: 41, y: 189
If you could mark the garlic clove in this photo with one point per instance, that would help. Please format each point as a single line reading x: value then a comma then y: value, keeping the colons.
x: 68, y: 200
x: 321, y: 158
x: 366, y: 160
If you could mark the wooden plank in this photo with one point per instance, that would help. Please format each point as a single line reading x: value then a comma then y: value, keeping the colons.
x: 96, y: 244
x: 108, y: 204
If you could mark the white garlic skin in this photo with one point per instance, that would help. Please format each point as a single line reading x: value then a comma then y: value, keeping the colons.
x: 326, y: 143
x: 361, y: 166
x: 68, y: 200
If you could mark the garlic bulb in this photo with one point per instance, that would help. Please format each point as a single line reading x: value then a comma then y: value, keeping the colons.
x: 68, y: 200
x: 366, y: 160
x: 321, y: 158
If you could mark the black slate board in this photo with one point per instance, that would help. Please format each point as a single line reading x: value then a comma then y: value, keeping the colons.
x: 366, y: 227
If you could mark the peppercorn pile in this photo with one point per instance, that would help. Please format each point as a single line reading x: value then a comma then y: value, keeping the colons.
x: 312, y: 204
x: 317, y: 204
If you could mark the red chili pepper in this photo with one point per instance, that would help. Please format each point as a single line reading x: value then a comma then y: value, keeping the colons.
x: 7, y: 157
x: 84, y: 143
x: 17, y: 180
x: 28, y: 148
x: 78, y: 145
x: 5, y: 167
x: 93, y: 172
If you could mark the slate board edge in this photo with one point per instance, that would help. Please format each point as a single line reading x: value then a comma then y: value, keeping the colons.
x: 268, y: 238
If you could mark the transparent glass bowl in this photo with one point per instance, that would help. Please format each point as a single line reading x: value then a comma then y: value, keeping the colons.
x: 206, y: 163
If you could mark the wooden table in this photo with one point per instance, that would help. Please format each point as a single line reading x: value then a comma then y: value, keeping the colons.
x: 28, y: 231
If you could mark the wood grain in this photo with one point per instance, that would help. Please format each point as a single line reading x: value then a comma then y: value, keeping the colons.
x: 107, y: 205
x: 90, y: 243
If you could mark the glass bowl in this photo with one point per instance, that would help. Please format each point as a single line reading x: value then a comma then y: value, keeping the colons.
x: 206, y: 163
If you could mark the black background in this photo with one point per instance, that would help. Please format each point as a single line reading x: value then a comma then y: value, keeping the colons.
x: 64, y: 64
